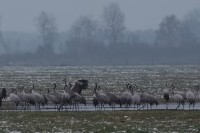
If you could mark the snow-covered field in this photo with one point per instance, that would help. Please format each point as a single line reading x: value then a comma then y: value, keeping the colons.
x: 111, y: 78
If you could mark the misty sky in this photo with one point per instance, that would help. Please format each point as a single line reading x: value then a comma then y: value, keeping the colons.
x: 19, y: 15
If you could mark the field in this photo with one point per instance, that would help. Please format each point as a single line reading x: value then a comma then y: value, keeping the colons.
x: 111, y: 78
x: 151, y: 79
x: 111, y: 121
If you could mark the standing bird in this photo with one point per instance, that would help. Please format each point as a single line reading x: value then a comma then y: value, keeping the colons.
x: 153, y: 101
x: 190, y: 98
x: 136, y: 97
x: 114, y: 99
x: 101, y: 97
x: 95, y: 102
x: 197, y: 95
x: 148, y: 99
x: 166, y: 97
x: 76, y: 98
x: 126, y: 96
x: 36, y: 97
x: 65, y: 97
x: 44, y: 100
x: 53, y: 99
x: 178, y: 99
x: 2, y: 95
x: 14, y: 98
x: 182, y: 93
x: 56, y: 93
x: 25, y: 98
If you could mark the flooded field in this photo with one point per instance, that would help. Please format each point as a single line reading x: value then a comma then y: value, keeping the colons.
x: 111, y: 78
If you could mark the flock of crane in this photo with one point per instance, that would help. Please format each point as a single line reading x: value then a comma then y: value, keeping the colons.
x: 71, y: 96
x: 144, y: 99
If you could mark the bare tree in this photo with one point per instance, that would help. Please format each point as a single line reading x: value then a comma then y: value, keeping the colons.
x: 2, y: 41
x: 114, y: 21
x: 46, y: 24
x: 169, y: 32
x: 83, y: 34
x: 191, y: 28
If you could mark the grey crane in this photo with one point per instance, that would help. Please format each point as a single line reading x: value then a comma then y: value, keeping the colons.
x: 25, y: 98
x: 56, y: 93
x: 126, y: 96
x: 95, y: 102
x: 44, y: 99
x: 197, y: 95
x: 166, y: 96
x: 53, y: 99
x: 101, y: 97
x: 182, y: 93
x: 14, y: 98
x: 2, y: 95
x: 179, y: 97
x: 58, y: 97
x: 190, y: 98
x: 65, y: 96
x: 153, y: 101
x: 148, y: 99
x: 36, y: 97
x: 114, y: 99
x: 136, y: 97
x: 75, y: 99
x: 79, y: 86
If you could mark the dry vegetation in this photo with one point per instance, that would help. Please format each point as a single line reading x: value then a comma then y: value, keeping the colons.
x: 115, y: 121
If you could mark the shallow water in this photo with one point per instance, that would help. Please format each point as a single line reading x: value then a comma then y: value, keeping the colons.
x: 90, y: 107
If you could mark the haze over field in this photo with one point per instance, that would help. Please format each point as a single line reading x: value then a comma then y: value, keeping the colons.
x: 106, y: 32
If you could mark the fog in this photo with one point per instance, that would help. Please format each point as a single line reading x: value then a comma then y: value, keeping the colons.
x: 106, y: 32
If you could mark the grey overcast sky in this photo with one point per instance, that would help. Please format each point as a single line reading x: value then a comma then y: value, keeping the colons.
x: 18, y: 15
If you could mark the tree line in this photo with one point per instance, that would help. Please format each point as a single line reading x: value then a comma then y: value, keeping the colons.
x: 109, y: 42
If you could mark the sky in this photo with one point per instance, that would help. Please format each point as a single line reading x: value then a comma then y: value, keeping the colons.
x: 20, y: 15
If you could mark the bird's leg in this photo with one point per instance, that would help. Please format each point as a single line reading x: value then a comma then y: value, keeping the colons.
x: 142, y: 107
x: 138, y: 105
x: 75, y: 106
x: 189, y: 105
x: 72, y: 106
x: 166, y: 104
x: 112, y: 107
x: 193, y: 105
x: 178, y: 105
x: 25, y: 106
x: 12, y: 104
x: 78, y: 106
